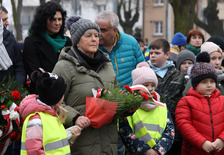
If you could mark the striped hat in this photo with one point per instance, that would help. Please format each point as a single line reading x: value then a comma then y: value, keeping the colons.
x: 202, y: 70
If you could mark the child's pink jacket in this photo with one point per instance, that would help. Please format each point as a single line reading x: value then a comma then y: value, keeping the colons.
x: 34, y: 132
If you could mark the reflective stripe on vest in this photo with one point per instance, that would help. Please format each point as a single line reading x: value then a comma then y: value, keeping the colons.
x: 54, y: 143
x: 149, y: 125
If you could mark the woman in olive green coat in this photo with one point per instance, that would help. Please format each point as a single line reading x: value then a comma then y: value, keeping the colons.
x: 84, y: 66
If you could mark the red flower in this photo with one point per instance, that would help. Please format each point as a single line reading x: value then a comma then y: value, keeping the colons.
x: 3, y: 93
x: 154, y: 96
x: 3, y: 106
x: 128, y: 88
x: 28, y: 82
x: 16, y: 95
x: 145, y: 96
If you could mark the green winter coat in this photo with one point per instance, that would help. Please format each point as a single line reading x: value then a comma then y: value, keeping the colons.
x: 80, y: 81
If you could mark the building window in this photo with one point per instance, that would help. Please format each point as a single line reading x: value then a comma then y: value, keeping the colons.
x: 158, y: 28
x: 101, y: 8
x: 158, y: 2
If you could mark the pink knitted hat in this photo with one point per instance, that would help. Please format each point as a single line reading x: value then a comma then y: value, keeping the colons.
x: 210, y: 47
x: 143, y: 74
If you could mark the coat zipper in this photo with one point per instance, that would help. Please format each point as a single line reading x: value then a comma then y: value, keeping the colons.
x: 116, y: 64
x: 211, y: 120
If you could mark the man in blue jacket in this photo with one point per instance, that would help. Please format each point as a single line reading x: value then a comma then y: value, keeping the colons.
x: 123, y: 49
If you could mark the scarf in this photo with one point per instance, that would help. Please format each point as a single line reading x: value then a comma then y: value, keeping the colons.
x: 92, y: 63
x: 161, y: 71
x: 5, y: 61
x: 56, y: 43
x: 193, y: 49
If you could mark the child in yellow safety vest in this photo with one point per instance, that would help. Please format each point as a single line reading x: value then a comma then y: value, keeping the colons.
x: 150, y: 130
x: 43, y: 131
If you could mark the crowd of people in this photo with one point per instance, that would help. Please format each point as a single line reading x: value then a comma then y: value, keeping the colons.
x: 60, y: 72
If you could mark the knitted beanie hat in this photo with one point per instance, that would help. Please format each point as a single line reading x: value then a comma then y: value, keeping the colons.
x: 184, y: 55
x: 202, y: 70
x: 50, y: 87
x: 210, y: 47
x: 218, y: 40
x: 78, y: 26
x: 179, y: 39
x: 143, y: 74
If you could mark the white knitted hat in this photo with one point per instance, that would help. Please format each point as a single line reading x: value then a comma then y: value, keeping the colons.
x: 210, y: 47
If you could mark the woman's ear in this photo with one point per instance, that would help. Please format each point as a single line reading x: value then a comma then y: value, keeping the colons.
x: 77, y: 45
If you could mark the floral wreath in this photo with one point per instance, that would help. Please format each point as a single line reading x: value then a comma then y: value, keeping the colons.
x: 11, y: 94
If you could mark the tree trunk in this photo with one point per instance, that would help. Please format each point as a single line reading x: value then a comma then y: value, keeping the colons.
x: 16, y: 12
x: 184, y: 12
x: 213, y: 25
x: 130, y: 20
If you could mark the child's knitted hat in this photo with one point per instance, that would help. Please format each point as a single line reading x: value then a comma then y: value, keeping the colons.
x: 218, y: 40
x: 179, y: 39
x: 50, y: 87
x: 210, y: 47
x: 143, y: 74
x: 184, y: 55
x: 202, y: 69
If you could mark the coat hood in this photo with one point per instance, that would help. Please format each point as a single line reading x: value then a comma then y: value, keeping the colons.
x: 30, y: 105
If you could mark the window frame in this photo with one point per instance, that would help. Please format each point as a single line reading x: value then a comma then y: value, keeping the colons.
x: 158, y: 28
x: 158, y: 3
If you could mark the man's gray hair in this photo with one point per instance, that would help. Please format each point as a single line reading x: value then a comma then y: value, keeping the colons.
x: 108, y: 15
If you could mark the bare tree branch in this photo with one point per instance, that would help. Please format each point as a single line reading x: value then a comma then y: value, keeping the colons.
x: 129, y: 19
x: 16, y: 12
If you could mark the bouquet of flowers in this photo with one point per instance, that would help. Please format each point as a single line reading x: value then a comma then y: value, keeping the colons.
x: 11, y: 94
x: 108, y: 103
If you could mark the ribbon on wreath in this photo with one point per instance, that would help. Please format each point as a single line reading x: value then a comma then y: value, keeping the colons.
x: 141, y: 87
x: 9, y: 127
x: 10, y: 115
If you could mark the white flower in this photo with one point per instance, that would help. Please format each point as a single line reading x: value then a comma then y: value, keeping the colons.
x: 1, y: 132
x: 14, y: 115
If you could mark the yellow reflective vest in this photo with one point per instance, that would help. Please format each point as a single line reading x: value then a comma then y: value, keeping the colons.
x: 55, y: 141
x: 149, y: 125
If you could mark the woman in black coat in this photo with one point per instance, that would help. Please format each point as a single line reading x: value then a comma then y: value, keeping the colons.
x: 42, y: 47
